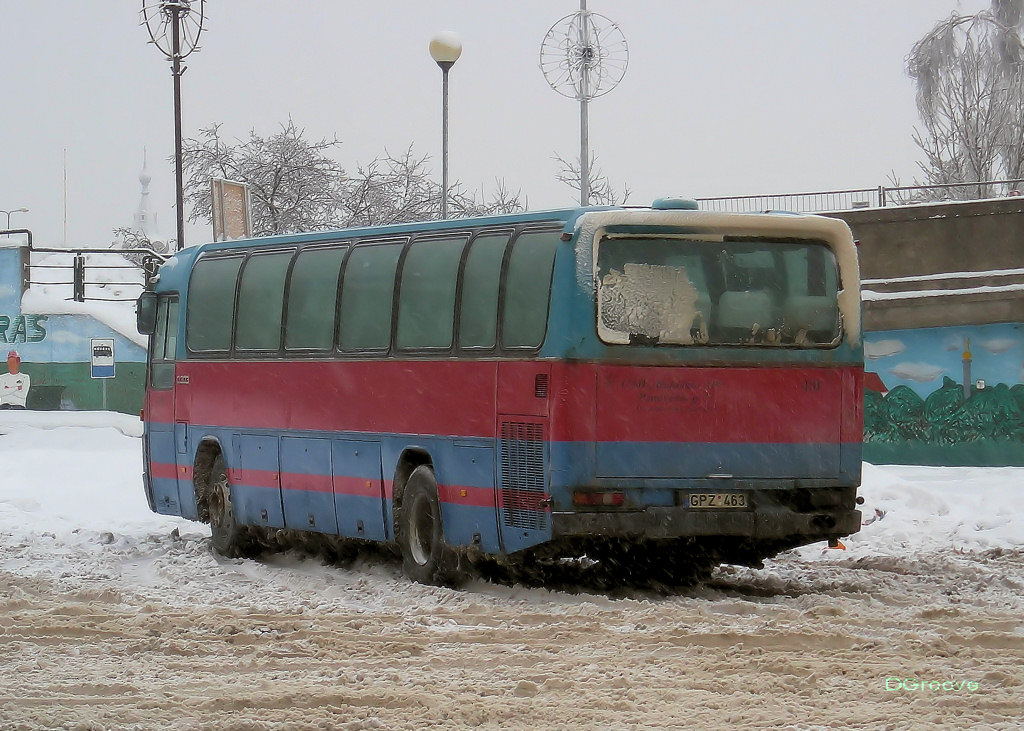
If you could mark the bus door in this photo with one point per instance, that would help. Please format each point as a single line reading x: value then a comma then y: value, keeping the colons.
x: 524, y: 513
x: 162, y: 454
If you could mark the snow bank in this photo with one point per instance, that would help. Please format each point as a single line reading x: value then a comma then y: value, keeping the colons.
x: 911, y: 510
x: 68, y: 481
x: 13, y: 420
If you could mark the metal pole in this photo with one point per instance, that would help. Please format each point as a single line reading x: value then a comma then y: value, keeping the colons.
x: 584, y: 156
x: 584, y: 122
x: 176, y: 72
x: 445, y: 67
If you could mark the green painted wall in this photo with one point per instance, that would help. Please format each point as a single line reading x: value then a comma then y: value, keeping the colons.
x: 70, y: 384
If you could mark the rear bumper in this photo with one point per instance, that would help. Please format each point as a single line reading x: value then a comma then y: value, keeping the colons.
x: 680, y: 522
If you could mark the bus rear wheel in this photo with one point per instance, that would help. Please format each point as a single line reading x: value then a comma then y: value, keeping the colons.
x: 229, y: 538
x: 426, y: 558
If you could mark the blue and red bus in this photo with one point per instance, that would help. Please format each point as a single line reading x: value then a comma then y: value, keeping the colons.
x: 651, y: 387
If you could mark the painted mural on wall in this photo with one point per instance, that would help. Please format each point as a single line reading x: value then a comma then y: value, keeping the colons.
x: 54, y: 353
x: 14, y: 384
x: 945, y: 395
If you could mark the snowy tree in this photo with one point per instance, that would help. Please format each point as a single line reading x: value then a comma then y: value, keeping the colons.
x: 131, y: 239
x: 294, y: 183
x: 601, y: 191
x: 400, y: 189
x: 969, y: 74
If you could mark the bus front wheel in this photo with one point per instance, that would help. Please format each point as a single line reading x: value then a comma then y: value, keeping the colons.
x: 228, y: 537
x: 426, y: 558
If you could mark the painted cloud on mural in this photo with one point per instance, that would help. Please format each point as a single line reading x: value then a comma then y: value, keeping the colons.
x: 999, y: 345
x: 883, y: 349
x: 920, y: 372
x: 954, y: 341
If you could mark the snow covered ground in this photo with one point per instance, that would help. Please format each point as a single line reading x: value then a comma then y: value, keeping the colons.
x: 114, y: 617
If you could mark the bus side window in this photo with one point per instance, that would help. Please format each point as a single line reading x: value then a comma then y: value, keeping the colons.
x: 478, y: 312
x: 159, y: 340
x: 211, y: 302
x: 260, y: 299
x: 161, y: 373
x: 367, y: 293
x: 528, y: 289
x: 312, y: 293
x: 171, y: 346
x: 426, y: 299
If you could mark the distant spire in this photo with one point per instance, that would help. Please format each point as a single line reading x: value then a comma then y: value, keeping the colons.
x: 145, y: 221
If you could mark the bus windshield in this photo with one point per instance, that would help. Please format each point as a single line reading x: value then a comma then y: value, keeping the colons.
x: 705, y: 290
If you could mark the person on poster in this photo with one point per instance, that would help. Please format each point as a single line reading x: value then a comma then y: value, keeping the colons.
x: 14, y: 384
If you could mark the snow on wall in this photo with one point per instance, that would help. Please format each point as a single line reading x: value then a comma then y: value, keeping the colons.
x: 108, y: 275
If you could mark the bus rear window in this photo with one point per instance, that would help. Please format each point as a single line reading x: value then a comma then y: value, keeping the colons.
x: 687, y: 291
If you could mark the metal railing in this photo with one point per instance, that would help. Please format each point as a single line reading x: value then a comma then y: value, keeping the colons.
x: 854, y: 198
x: 81, y: 273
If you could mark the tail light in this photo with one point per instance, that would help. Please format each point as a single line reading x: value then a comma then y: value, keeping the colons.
x: 599, y: 499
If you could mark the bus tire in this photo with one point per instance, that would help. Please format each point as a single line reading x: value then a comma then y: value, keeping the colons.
x: 426, y: 558
x: 229, y: 539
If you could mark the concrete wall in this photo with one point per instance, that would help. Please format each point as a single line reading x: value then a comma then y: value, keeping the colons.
x: 940, y: 239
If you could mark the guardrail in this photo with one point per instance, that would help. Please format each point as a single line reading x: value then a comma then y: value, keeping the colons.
x: 854, y: 198
x: 93, y: 274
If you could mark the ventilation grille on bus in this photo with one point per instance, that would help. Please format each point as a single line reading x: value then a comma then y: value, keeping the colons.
x: 522, y: 475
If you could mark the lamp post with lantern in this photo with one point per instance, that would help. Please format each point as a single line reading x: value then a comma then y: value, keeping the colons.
x: 445, y: 49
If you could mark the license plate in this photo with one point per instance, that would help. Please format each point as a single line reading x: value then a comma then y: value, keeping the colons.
x: 718, y: 500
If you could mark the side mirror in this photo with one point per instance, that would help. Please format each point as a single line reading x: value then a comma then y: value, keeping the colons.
x: 145, y: 313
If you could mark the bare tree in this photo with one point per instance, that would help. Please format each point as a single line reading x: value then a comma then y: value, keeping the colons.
x: 601, y: 191
x: 400, y: 189
x: 295, y: 185
x: 131, y: 239
x: 391, y: 189
x: 969, y: 73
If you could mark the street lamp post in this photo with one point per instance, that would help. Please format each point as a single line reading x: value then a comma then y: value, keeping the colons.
x: 174, y: 27
x: 445, y: 49
x: 15, y: 210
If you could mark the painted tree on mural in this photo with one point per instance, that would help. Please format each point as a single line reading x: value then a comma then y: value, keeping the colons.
x: 969, y: 74
x: 995, y: 413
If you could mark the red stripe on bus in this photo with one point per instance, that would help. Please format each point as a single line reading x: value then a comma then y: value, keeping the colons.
x: 357, y: 487
x: 773, y: 405
x: 163, y: 471
x: 309, y: 483
x: 348, y: 396
x: 259, y: 478
x: 583, y: 402
x: 476, y: 497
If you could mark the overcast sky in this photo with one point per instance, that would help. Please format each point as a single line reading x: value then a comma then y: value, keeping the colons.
x: 721, y: 97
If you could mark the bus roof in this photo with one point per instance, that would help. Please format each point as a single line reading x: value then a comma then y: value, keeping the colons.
x: 175, y: 271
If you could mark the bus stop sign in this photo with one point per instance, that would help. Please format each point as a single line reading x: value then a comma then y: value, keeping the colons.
x: 102, y: 358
